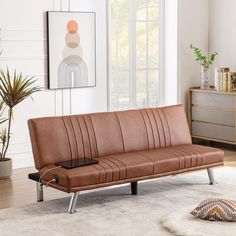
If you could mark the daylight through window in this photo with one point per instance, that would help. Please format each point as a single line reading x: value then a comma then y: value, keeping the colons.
x: 134, y: 53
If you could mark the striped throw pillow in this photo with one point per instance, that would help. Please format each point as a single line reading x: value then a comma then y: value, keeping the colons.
x: 216, y: 210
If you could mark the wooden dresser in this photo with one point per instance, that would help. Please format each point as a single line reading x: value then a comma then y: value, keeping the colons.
x: 212, y: 115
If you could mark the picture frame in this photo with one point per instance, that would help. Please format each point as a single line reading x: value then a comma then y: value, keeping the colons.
x: 71, y: 49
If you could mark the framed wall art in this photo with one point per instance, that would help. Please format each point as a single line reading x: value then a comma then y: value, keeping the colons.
x: 71, y: 49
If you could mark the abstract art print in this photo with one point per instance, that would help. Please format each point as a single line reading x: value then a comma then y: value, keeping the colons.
x: 71, y: 49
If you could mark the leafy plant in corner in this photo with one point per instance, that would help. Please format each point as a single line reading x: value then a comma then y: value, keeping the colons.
x: 204, y: 60
x: 13, y: 90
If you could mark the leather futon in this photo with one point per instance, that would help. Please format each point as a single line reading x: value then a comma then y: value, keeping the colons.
x: 129, y: 145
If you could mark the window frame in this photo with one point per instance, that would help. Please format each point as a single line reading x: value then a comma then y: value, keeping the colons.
x: 132, y: 56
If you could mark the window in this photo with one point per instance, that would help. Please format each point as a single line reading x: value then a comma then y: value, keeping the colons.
x: 135, y: 53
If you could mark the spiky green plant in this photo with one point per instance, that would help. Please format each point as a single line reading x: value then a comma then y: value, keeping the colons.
x: 2, y: 109
x: 204, y: 60
x: 13, y: 90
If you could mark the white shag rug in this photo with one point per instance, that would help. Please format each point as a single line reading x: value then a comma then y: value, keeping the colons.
x: 161, y: 208
x: 183, y: 224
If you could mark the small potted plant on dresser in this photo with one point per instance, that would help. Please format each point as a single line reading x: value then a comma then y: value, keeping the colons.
x: 205, y: 63
x: 13, y: 90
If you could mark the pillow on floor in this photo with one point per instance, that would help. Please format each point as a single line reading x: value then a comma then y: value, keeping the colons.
x: 216, y: 210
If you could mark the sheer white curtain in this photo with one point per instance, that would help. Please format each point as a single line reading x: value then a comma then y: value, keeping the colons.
x: 135, y: 45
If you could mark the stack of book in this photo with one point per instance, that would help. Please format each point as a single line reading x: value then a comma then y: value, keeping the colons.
x: 225, y: 80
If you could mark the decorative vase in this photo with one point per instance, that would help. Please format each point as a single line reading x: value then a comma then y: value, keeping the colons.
x: 205, y: 81
x: 5, y: 169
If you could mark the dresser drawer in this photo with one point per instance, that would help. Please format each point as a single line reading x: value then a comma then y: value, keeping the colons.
x: 213, y: 99
x: 213, y: 131
x: 213, y: 115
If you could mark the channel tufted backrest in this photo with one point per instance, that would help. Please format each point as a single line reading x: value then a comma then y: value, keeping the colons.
x: 57, y: 139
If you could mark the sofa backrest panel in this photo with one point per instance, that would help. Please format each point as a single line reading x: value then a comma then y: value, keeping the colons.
x: 177, y: 125
x: 62, y: 138
x: 49, y: 140
x: 134, y: 133
x: 156, y: 124
x: 108, y: 133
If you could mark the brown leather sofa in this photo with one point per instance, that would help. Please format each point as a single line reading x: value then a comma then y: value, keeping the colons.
x: 130, y: 145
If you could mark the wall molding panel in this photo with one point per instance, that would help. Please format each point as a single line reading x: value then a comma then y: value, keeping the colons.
x: 24, y: 45
x: 24, y: 48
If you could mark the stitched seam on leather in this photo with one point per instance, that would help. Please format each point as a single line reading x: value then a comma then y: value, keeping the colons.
x: 68, y: 140
x: 116, y: 166
x: 112, y: 168
x: 73, y: 131
x: 104, y: 169
x: 120, y: 131
x: 196, y: 149
x: 82, y: 138
x: 194, y: 158
x: 103, y: 162
x: 180, y: 156
x: 90, y: 149
x: 99, y: 172
x: 145, y: 127
x: 91, y: 139
x: 167, y: 126
x: 201, y: 153
x: 162, y: 126
x: 122, y: 164
x: 157, y: 128
x: 183, y: 155
x: 149, y: 159
x: 202, y: 157
x: 96, y: 145
x: 151, y: 128
x: 192, y: 152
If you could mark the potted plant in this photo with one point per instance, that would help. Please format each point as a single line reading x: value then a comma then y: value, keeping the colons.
x: 13, y: 90
x: 205, y: 65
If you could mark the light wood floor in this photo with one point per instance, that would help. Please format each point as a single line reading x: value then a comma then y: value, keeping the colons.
x: 19, y: 190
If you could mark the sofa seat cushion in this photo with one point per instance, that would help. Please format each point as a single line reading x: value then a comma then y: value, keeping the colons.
x: 135, y: 164
x: 109, y: 169
x: 182, y: 157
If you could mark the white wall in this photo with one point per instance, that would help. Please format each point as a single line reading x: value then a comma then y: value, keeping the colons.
x: 222, y: 37
x: 23, y: 40
x: 192, y: 28
x: 23, y: 34
x: 94, y: 99
x: 171, y: 52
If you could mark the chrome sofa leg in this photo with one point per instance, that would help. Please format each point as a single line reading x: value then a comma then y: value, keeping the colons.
x: 39, y: 192
x: 211, y: 175
x: 73, y: 200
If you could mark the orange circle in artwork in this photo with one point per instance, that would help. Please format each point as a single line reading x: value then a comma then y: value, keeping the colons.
x: 72, y: 26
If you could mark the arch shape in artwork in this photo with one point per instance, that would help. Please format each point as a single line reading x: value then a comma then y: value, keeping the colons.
x: 72, y: 72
